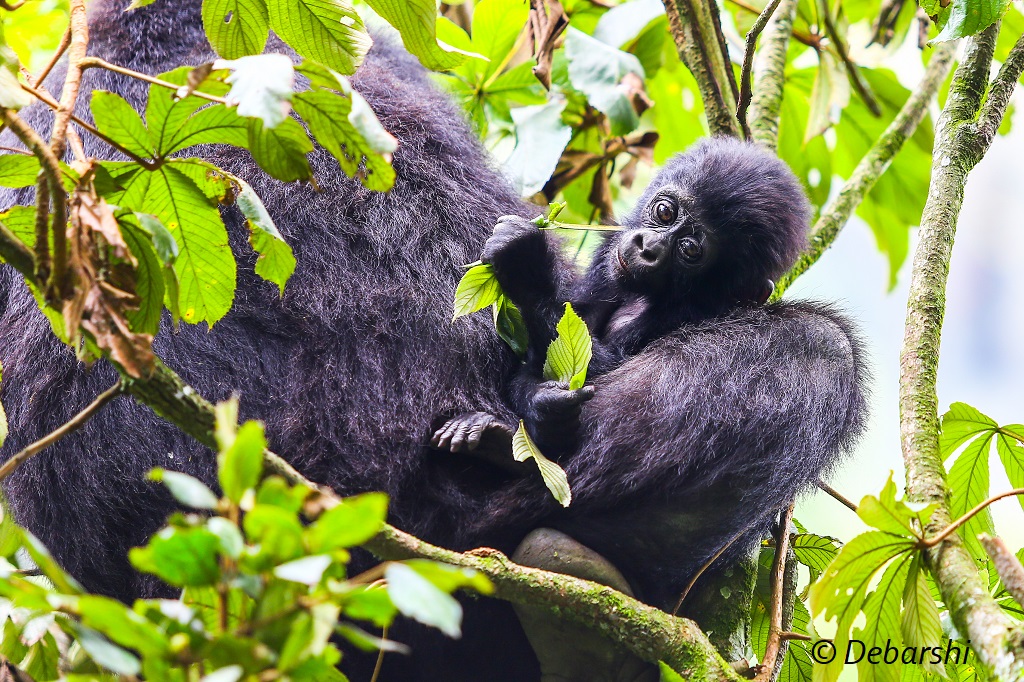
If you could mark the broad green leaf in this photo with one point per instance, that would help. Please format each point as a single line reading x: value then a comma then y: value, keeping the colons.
x: 887, y: 513
x: 569, y: 354
x: 307, y: 570
x: 477, y: 289
x: 11, y: 94
x: 920, y: 624
x: 215, y: 124
x: 183, y: 557
x: 1011, y: 453
x: 205, y: 266
x: 815, y: 552
x: 149, y: 273
x: 418, y: 598
x: 968, y: 481
x: 523, y: 448
x: 261, y: 86
x: 511, y: 327
x: 115, y: 117
x: 241, y: 465
x: 121, y: 625
x: 841, y: 591
x: 597, y: 70
x: 370, y: 603
x: 231, y: 541
x: 667, y: 674
x: 541, y: 136
x: 495, y: 29
x: 353, y: 521
x: 969, y: 17
x: 811, y: 161
x: 49, y: 567
x: 277, y: 532
x: 276, y: 262
x: 186, y: 489
x: 830, y: 94
x: 163, y: 241
x: 961, y: 423
x: 450, y: 578
x: 416, y: 21
x: 18, y: 170
x: 281, y: 151
x: 236, y: 28
x: 677, y: 111
x: 328, y: 116
x: 327, y: 31
x: 167, y: 114
x: 621, y: 24
x: 104, y: 653
x: 882, y: 620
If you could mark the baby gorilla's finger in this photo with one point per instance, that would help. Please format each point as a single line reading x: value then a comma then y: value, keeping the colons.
x: 445, y: 434
x: 476, y: 432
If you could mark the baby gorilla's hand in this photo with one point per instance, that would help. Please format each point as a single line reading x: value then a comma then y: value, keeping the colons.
x: 514, y: 240
x: 554, y: 414
x: 464, y: 432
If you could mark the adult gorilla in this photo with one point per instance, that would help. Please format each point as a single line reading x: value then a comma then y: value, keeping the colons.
x: 358, y: 363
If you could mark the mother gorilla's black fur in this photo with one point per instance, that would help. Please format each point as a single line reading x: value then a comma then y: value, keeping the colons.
x: 707, y: 431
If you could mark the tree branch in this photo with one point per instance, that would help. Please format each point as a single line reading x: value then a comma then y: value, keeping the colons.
x: 71, y: 426
x: 650, y: 633
x: 995, y: 638
x: 837, y: 213
x: 836, y: 495
x: 999, y: 93
x: 770, y: 76
x: 748, y: 64
x: 1010, y: 571
x: 696, y: 31
x: 775, y: 607
x: 951, y: 528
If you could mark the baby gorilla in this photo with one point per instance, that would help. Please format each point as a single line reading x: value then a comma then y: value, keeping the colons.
x: 715, y: 228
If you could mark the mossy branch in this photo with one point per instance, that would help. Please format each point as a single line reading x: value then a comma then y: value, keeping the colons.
x: 648, y: 632
x: 696, y: 29
x: 837, y: 212
x: 960, y: 142
x: 770, y: 76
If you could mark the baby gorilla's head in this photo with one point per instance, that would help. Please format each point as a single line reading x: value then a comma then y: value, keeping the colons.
x: 715, y: 228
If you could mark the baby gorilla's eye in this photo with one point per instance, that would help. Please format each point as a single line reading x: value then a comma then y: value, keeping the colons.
x: 665, y: 211
x: 690, y: 249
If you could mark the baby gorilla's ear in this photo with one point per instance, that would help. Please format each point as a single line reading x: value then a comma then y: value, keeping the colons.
x: 766, y: 292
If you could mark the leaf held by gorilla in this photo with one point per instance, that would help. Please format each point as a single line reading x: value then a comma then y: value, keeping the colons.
x: 523, y: 448
x: 568, y: 356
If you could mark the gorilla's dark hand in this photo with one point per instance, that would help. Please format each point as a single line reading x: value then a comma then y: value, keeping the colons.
x: 553, y: 414
x: 465, y: 431
x: 513, y: 240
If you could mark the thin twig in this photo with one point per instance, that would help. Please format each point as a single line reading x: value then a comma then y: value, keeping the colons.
x: 852, y: 69
x: 790, y: 636
x: 96, y: 62
x: 703, y: 569
x: 380, y: 656
x: 805, y: 38
x: 65, y: 42
x: 951, y: 528
x: 15, y: 150
x: 837, y: 213
x: 73, y: 137
x: 748, y: 64
x: 71, y: 426
x: 826, y: 488
x: 49, y: 101
x: 777, y: 583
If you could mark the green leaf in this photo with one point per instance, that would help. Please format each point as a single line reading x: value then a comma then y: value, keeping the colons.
x: 18, y: 170
x: 887, y: 513
x: 115, y: 117
x: 667, y: 674
x: 236, y: 27
x: 830, y: 94
x: 569, y: 354
x: 261, y: 86
x: 495, y: 29
x: 327, y: 31
x: 1010, y: 453
x: 882, y: 620
x: 477, y: 289
x: 418, y: 598
x: 523, y: 448
x: 450, y: 578
x: 307, y: 570
x: 277, y: 532
x: 149, y: 273
x: 231, y: 541
x: 961, y: 423
x: 596, y: 70
x: 541, y: 137
x: 328, y: 116
x: 276, y: 262
x: 163, y: 241
x: 921, y: 626
x: 353, y: 521
x: 416, y: 22
x: 205, y: 266
x: 281, y: 151
x: 104, y: 653
x: 969, y: 17
x: 511, y: 327
x: 968, y: 481
x: 48, y: 565
x: 241, y: 465
x: 815, y: 551
x: 183, y: 557
x: 186, y: 489
x: 11, y: 94
x: 122, y: 625
x: 840, y: 593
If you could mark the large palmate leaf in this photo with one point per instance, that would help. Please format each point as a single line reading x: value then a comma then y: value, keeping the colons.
x: 328, y: 31
x: 236, y: 27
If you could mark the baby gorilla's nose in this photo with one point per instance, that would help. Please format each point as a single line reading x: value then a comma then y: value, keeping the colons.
x: 650, y: 247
